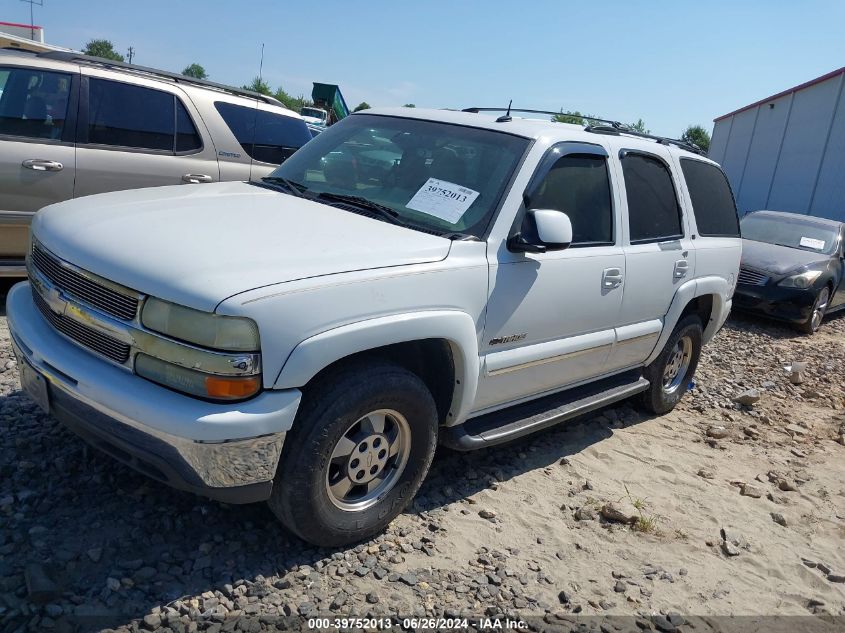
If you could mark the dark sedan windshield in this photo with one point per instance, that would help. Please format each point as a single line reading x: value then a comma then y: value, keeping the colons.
x: 435, y: 176
x: 792, y: 232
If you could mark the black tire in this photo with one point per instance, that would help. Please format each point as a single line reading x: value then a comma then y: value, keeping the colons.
x: 811, y: 325
x: 657, y: 399
x: 333, y: 404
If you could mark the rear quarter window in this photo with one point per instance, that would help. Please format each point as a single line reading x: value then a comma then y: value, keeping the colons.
x: 712, y: 200
x: 264, y: 136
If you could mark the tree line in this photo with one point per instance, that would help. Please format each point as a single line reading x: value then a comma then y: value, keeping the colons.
x: 695, y: 134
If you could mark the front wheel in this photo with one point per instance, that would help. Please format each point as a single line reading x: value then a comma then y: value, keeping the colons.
x: 361, y: 446
x: 672, y: 371
x: 814, y: 321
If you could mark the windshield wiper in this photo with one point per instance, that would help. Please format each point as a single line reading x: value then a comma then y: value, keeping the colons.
x: 383, y: 211
x: 296, y: 188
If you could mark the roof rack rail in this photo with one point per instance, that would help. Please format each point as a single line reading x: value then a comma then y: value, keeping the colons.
x: 108, y: 63
x: 606, y: 126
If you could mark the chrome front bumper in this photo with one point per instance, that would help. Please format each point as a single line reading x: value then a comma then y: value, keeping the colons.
x: 227, y: 452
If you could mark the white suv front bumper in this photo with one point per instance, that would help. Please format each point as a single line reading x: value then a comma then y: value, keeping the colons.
x: 227, y: 452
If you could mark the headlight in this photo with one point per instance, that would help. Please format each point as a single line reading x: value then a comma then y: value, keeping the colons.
x: 236, y: 334
x: 196, y: 383
x: 801, y: 280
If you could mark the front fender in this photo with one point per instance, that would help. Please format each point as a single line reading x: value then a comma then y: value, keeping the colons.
x: 458, y: 328
x: 717, y: 287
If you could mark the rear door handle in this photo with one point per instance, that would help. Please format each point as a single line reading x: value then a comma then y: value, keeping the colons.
x: 611, y: 278
x: 195, y: 179
x: 681, y: 268
x: 42, y: 164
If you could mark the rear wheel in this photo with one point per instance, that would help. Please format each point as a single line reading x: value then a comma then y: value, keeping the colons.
x: 360, y: 448
x: 816, y: 317
x: 672, y: 371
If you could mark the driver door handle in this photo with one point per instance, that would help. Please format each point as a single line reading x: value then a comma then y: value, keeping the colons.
x: 42, y: 164
x: 195, y: 179
x: 611, y: 278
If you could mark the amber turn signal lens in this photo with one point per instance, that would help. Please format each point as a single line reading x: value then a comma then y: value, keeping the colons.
x: 219, y: 387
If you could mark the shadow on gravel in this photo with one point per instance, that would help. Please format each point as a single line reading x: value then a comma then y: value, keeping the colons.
x: 775, y: 329
x: 82, y: 534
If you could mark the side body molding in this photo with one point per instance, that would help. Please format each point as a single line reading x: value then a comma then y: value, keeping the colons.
x: 717, y: 287
x: 321, y: 350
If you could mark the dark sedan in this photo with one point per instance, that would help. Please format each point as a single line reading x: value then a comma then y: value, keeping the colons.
x: 792, y: 267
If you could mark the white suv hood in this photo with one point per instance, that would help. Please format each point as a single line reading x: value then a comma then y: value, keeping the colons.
x: 199, y: 244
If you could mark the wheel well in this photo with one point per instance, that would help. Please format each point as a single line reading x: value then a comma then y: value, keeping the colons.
x: 702, y: 307
x: 431, y: 360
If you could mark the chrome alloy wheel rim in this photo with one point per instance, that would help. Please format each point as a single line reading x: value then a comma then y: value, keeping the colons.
x: 820, y: 309
x: 368, y: 460
x: 677, y: 365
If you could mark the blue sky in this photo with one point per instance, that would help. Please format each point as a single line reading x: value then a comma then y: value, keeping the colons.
x: 671, y: 63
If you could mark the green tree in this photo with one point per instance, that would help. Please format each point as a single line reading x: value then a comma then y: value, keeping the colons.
x: 196, y: 71
x: 697, y: 135
x: 102, y: 48
x: 259, y: 85
x: 286, y: 99
x: 362, y: 106
x: 639, y: 126
x: 573, y: 117
x: 409, y: 105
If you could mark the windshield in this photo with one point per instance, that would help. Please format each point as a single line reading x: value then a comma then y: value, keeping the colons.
x: 313, y: 112
x: 805, y: 235
x: 433, y: 176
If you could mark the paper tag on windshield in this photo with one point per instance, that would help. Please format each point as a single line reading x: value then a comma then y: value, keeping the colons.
x: 811, y: 242
x: 444, y: 200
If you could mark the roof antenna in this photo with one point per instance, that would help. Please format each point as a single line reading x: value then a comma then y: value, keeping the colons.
x: 255, y: 114
x: 507, y: 115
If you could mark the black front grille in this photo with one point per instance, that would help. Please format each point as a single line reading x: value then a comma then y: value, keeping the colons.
x: 752, y: 277
x: 82, y: 334
x: 76, y: 285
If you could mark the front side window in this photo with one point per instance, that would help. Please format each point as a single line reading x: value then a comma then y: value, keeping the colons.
x: 124, y: 115
x: 579, y: 186
x: 433, y: 176
x: 33, y: 103
x: 653, y: 211
x: 712, y: 201
x: 265, y: 136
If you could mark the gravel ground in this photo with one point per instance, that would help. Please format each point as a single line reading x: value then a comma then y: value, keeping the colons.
x: 527, y: 530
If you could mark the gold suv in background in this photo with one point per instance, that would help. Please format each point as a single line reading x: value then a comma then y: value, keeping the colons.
x: 73, y: 125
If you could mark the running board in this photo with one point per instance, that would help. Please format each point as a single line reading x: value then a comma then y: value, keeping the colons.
x: 519, y: 420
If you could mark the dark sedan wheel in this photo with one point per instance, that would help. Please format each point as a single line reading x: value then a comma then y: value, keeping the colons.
x: 817, y: 315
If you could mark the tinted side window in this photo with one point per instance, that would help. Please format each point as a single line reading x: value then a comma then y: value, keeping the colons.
x: 130, y: 116
x: 33, y: 103
x: 712, y: 200
x: 579, y: 186
x: 187, y: 137
x: 653, y: 211
x: 264, y: 136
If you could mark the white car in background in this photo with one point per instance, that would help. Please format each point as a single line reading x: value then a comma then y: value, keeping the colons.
x: 314, y: 116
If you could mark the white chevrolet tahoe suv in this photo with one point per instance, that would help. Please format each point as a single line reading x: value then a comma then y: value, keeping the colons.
x: 406, y: 277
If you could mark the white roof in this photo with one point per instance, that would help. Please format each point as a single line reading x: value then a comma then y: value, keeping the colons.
x: 526, y: 127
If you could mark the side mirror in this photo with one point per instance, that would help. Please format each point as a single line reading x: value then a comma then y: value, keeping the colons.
x: 542, y: 230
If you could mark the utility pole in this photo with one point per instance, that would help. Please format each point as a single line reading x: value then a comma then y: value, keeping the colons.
x: 32, y: 3
x: 131, y: 54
